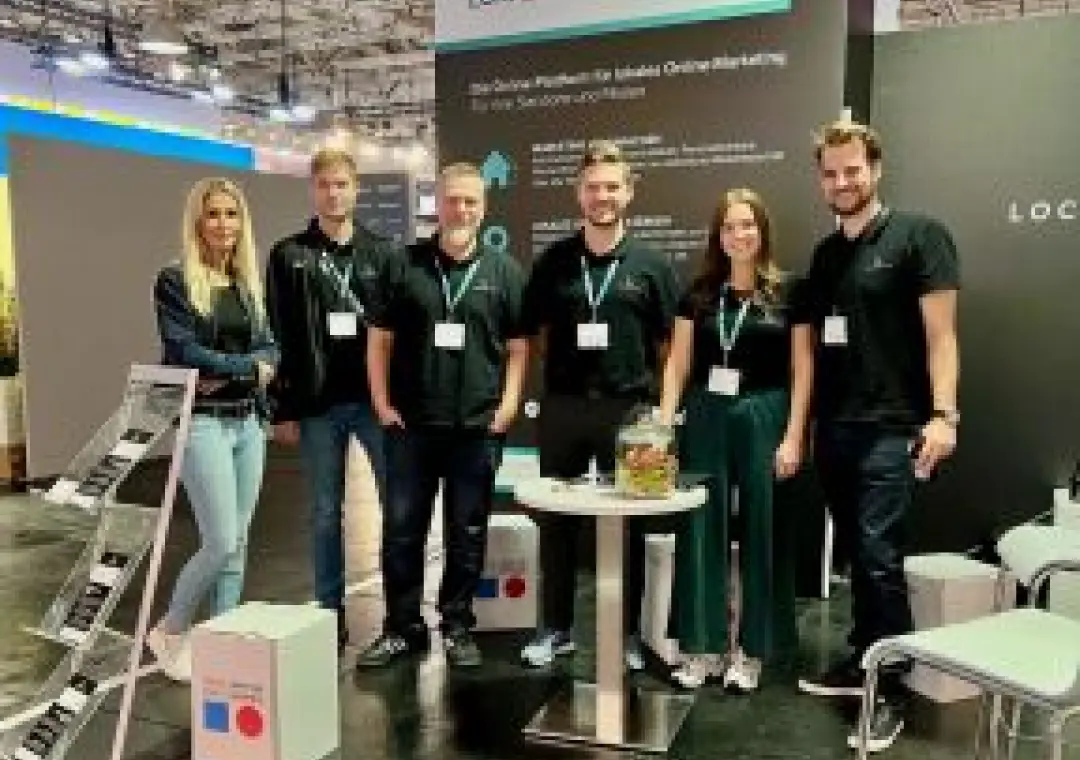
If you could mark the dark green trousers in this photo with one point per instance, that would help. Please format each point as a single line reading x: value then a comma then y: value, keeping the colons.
x: 734, y: 440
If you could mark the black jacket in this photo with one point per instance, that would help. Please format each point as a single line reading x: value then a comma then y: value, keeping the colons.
x: 318, y: 371
x: 188, y: 338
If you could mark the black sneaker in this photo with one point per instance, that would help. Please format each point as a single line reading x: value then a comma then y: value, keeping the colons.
x: 845, y: 679
x: 885, y: 725
x: 386, y: 649
x: 461, y: 649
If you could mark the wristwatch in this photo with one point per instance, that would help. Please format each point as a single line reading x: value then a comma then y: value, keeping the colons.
x: 950, y: 416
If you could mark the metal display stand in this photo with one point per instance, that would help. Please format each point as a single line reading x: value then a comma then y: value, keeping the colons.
x: 155, y: 400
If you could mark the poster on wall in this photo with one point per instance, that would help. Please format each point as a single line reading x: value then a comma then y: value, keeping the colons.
x: 384, y: 205
x: 707, y: 96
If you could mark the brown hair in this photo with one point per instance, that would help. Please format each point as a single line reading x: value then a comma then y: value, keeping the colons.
x: 331, y: 158
x: 604, y: 153
x: 715, y: 267
x: 843, y: 132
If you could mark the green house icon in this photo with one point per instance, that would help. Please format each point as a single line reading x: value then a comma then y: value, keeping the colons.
x: 496, y: 170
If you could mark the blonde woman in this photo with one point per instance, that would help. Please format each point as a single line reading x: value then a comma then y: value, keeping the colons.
x: 747, y: 377
x: 211, y: 317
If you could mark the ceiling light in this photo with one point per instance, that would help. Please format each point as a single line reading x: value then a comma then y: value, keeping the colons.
x: 281, y: 114
x: 93, y: 60
x: 223, y: 93
x: 70, y: 66
x: 162, y: 36
x: 303, y: 112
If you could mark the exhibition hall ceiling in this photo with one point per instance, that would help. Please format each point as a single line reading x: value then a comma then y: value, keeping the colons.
x: 920, y: 13
x: 365, y: 61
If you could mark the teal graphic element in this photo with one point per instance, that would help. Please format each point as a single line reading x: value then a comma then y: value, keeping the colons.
x: 496, y: 239
x: 496, y: 170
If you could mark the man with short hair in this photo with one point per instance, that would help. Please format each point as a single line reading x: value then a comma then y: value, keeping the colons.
x: 881, y: 295
x: 600, y: 305
x: 446, y: 362
x: 321, y: 284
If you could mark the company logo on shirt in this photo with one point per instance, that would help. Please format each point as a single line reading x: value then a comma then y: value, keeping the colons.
x: 483, y: 286
x: 511, y: 586
x: 1043, y: 211
x: 630, y: 285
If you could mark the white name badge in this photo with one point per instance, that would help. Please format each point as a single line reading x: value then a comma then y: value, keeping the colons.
x: 592, y: 335
x: 724, y: 381
x: 341, y: 324
x: 835, y: 331
x: 450, y: 335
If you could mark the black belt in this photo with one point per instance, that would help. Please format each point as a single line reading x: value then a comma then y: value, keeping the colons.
x: 231, y: 409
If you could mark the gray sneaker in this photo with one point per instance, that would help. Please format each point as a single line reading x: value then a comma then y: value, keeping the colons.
x: 546, y: 646
x: 461, y: 649
x: 635, y: 659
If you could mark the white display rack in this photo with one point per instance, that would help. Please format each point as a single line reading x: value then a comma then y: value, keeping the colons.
x: 156, y: 400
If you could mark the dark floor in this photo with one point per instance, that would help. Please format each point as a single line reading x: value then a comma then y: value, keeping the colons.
x: 418, y: 711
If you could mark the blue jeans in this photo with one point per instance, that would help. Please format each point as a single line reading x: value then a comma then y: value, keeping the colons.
x: 324, y: 447
x: 869, y: 481
x: 465, y: 461
x: 222, y: 475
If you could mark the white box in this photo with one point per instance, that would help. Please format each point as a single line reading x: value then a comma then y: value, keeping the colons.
x: 656, y: 605
x: 265, y: 684
x: 944, y: 589
x: 506, y: 598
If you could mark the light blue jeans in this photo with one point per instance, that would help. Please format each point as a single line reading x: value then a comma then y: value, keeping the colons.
x: 222, y: 475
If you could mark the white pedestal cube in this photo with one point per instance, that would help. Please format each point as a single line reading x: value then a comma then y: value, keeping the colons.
x: 506, y: 598
x: 944, y: 589
x: 656, y: 606
x: 265, y: 684
x: 1063, y: 595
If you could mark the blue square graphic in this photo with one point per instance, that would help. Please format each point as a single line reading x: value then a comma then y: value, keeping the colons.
x: 487, y: 588
x: 216, y: 717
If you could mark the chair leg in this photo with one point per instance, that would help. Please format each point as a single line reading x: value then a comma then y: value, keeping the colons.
x: 1055, y: 731
x: 866, y: 711
x: 986, y: 725
x: 1014, y: 728
x: 995, y: 727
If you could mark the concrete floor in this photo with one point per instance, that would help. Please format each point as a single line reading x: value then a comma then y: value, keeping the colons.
x: 419, y: 711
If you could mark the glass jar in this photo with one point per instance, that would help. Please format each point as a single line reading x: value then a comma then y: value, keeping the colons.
x: 646, y: 464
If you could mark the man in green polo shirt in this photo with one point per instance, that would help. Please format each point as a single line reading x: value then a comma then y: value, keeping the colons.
x: 446, y: 361
x: 881, y: 296
x: 600, y: 304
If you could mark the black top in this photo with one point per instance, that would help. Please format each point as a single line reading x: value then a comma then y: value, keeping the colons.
x: 310, y: 277
x: 875, y: 281
x: 443, y: 387
x: 638, y: 308
x: 762, y: 348
x: 219, y: 351
x: 232, y: 335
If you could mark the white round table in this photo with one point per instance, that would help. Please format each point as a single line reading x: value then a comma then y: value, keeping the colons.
x: 605, y: 714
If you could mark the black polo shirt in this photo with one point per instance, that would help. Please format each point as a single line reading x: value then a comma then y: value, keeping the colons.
x: 762, y: 348
x: 875, y: 281
x: 443, y: 387
x: 638, y: 308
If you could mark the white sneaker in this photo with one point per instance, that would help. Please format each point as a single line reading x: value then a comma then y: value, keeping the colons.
x: 696, y: 669
x: 743, y: 673
x: 172, y: 652
x: 542, y: 650
x: 633, y: 656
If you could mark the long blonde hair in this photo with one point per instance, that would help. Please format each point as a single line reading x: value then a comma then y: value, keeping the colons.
x: 244, y: 264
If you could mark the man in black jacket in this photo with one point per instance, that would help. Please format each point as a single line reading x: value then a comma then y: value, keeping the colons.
x: 321, y: 285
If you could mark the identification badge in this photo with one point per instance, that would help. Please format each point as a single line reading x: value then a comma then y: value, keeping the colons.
x: 724, y: 381
x: 835, y: 331
x: 450, y: 335
x: 341, y: 324
x: 592, y: 335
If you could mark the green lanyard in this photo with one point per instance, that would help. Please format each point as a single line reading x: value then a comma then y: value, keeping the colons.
x: 727, y: 340
x: 463, y: 287
x: 596, y: 298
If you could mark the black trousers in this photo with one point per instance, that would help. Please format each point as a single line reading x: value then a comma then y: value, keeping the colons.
x: 571, y: 431
x: 416, y: 461
x: 868, y: 478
